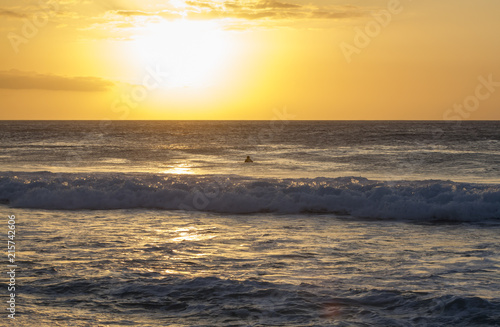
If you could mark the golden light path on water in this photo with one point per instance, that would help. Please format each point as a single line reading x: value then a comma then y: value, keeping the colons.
x: 179, y: 169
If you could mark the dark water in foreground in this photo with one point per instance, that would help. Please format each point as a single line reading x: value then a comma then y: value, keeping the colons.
x: 163, y: 268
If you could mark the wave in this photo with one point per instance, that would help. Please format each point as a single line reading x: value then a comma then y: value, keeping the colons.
x: 355, y: 196
x: 224, y: 302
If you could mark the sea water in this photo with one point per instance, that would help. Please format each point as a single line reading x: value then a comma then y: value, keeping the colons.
x: 161, y: 223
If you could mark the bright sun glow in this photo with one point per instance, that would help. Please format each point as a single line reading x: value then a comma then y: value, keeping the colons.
x: 191, y: 52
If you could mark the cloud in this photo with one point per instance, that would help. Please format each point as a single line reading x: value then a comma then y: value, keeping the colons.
x: 250, y: 10
x: 200, y: 4
x: 274, y: 5
x: 135, y: 13
x: 12, y: 14
x: 19, y: 80
x: 336, y: 14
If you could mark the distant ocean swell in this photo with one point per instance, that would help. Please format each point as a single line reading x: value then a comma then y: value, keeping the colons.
x: 356, y: 196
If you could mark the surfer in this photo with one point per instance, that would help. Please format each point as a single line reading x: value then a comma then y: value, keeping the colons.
x: 248, y: 159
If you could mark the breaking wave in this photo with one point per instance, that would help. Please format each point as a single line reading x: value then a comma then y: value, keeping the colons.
x: 355, y: 196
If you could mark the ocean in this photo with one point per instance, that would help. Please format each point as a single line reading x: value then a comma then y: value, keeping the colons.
x: 335, y: 223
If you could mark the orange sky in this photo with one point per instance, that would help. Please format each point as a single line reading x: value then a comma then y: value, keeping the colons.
x: 181, y: 59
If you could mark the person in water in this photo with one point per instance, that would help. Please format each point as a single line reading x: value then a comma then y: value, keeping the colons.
x: 248, y: 159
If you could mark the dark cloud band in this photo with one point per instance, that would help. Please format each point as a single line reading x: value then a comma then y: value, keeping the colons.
x: 18, y: 80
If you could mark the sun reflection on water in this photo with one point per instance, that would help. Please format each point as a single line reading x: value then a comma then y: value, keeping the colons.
x: 180, y: 169
x: 190, y: 234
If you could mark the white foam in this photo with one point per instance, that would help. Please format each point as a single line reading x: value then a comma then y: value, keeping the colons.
x: 359, y: 197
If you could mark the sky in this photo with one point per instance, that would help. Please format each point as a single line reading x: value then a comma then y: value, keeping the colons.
x: 251, y: 59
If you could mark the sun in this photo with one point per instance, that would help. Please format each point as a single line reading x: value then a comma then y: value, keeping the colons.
x: 191, y: 53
